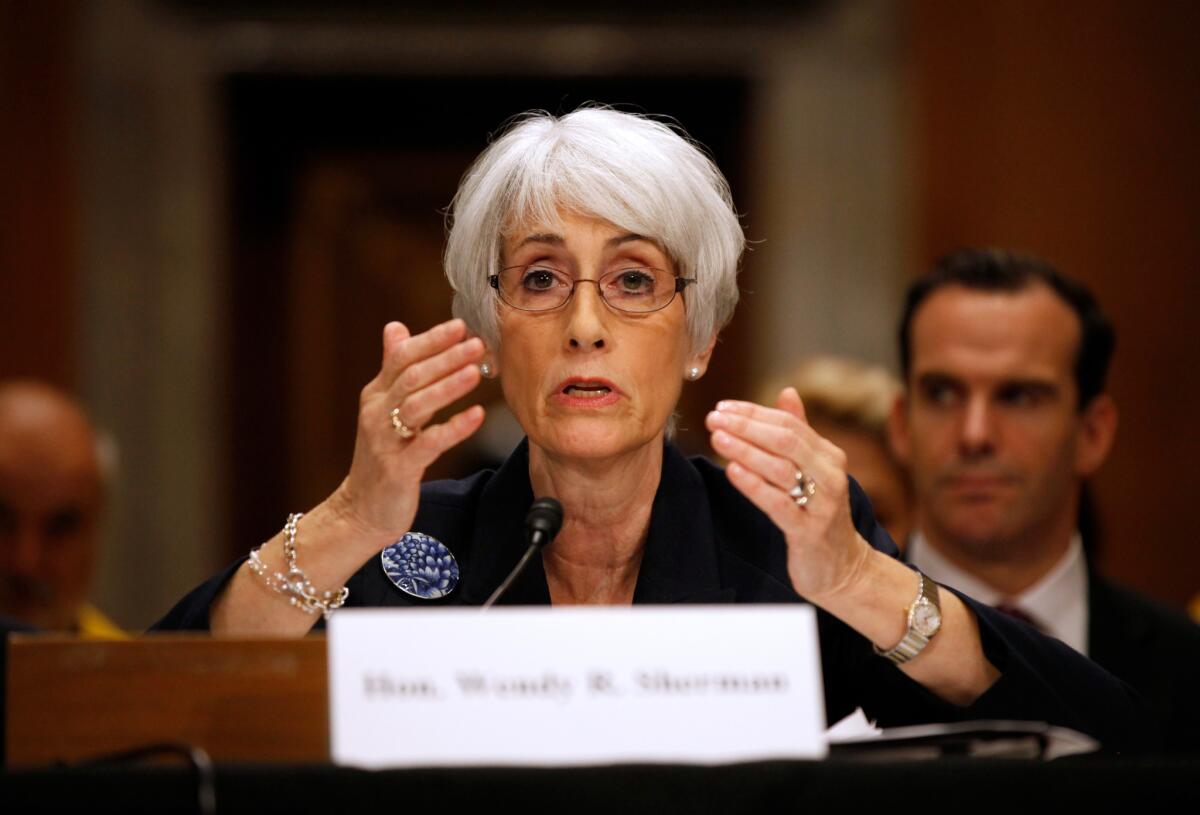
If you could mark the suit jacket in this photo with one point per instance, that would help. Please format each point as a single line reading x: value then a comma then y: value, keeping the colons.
x: 1154, y: 649
x: 707, y: 543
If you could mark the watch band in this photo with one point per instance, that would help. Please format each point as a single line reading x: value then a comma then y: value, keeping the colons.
x: 924, y: 620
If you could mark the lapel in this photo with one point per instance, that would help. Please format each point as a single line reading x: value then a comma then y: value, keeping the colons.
x: 680, y: 563
x: 1115, y: 627
x: 498, y: 538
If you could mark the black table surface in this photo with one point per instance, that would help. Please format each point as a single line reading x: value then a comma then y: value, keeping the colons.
x: 1102, y: 783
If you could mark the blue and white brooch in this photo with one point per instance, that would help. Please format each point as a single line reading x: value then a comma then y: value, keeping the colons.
x: 420, y: 566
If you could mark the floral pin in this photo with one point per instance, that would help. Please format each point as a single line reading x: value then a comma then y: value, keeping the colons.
x: 420, y: 566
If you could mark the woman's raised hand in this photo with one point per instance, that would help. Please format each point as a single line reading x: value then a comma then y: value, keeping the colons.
x: 420, y: 375
x: 771, y: 453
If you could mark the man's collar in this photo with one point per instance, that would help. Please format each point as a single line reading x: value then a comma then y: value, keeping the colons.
x: 1058, y: 601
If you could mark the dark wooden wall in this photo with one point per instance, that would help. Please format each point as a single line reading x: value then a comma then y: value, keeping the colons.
x: 38, y: 204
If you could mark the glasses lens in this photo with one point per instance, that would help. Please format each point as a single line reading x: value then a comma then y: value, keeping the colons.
x: 638, y: 290
x: 534, y: 288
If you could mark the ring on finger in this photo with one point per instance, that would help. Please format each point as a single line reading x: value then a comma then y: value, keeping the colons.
x: 402, y: 430
x: 805, y: 489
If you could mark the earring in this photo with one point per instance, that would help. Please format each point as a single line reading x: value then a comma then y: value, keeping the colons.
x: 486, y: 370
x: 693, y: 373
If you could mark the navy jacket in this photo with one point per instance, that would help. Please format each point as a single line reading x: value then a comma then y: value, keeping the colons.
x: 709, y: 544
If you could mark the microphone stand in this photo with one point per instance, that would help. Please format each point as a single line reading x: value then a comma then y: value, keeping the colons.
x: 541, y: 525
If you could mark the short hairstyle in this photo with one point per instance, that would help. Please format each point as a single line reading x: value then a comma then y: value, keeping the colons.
x: 847, y: 392
x: 996, y: 270
x: 633, y: 171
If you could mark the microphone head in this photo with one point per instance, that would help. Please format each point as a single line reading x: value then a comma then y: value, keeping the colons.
x: 544, y: 520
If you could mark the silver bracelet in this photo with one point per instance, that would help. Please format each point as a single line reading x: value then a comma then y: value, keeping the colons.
x: 295, y: 585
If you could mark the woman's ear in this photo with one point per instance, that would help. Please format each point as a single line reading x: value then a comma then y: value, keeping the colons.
x: 697, y: 364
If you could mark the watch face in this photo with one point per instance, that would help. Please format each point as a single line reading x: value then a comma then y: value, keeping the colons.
x: 926, y: 618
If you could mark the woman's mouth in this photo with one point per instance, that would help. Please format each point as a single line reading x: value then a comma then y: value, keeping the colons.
x: 587, y: 393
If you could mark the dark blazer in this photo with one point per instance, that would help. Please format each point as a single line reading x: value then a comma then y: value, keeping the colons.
x: 1153, y: 648
x: 708, y: 544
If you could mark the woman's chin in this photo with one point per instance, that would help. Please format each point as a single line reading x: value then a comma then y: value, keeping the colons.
x: 594, y: 437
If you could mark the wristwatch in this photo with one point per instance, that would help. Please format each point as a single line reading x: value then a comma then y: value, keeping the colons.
x: 924, y: 620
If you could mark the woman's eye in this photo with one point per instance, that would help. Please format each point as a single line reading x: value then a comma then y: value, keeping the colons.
x: 539, y: 279
x: 635, y: 281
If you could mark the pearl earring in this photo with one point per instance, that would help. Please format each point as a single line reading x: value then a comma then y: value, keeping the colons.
x: 486, y: 370
x: 693, y: 373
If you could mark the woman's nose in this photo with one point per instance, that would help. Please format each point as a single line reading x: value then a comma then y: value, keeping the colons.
x: 587, y: 317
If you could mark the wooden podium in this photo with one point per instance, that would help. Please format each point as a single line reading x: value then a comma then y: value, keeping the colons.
x: 239, y: 699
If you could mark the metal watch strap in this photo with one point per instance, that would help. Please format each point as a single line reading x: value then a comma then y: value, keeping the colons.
x: 914, y: 641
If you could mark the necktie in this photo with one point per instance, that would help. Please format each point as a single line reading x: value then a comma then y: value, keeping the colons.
x: 1016, y: 613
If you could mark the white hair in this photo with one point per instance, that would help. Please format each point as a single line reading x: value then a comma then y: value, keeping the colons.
x: 635, y: 172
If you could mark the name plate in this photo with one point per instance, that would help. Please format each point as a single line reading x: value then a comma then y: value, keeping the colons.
x: 570, y: 686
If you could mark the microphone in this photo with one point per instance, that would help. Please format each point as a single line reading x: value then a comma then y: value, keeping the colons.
x: 542, y: 522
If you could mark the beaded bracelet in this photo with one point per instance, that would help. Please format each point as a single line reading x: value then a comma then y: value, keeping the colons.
x: 295, y: 585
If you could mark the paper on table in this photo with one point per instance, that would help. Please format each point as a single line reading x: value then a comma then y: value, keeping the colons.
x: 854, y: 727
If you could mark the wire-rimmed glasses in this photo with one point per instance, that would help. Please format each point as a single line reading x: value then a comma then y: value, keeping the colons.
x: 541, y: 287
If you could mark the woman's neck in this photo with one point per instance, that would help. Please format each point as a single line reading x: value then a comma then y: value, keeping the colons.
x: 606, y: 514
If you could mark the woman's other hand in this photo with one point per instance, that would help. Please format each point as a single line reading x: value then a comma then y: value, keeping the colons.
x: 829, y: 563
x: 771, y: 451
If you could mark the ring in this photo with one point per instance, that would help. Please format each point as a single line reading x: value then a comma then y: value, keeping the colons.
x: 402, y: 430
x: 805, y: 488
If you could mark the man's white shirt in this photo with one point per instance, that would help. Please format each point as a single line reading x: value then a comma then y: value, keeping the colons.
x: 1058, y: 602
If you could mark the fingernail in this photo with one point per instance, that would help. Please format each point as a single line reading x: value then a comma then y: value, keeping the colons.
x: 724, y: 404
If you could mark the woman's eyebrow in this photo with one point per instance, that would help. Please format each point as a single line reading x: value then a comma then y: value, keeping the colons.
x: 557, y: 240
x: 628, y: 238
x: 542, y: 237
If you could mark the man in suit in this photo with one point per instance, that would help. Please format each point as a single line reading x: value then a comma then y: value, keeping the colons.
x: 52, y: 493
x: 1004, y: 417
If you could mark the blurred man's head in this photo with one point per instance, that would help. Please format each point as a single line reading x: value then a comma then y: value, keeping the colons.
x: 1005, y: 413
x: 848, y: 403
x: 51, y: 497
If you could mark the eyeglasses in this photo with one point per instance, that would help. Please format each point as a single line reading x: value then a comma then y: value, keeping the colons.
x: 538, y: 287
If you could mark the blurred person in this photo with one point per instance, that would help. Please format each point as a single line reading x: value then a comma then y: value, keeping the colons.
x: 848, y: 402
x: 1005, y: 416
x: 52, y: 496
x: 594, y: 259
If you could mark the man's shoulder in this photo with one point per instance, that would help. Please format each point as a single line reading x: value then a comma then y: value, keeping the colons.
x: 1152, y: 647
x: 1135, y: 614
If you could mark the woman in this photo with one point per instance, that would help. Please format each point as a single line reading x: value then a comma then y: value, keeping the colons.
x: 594, y: 260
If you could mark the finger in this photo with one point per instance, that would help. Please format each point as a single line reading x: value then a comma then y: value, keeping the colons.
x: 762, y: 413
x: 423, y: 374
x: 786, y: 437
x: 790, y: 401
x: 408, y: 350
x: 804, y: 450
x: 436, y: 439
x: 419, y: 407
x: 393, y: 334
x: 774, y: 469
